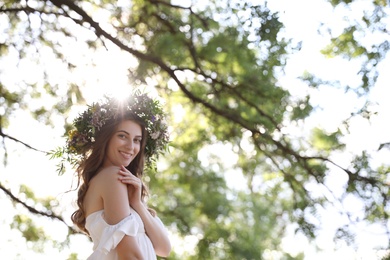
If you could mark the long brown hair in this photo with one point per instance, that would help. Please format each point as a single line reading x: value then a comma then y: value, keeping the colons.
x: 89, y: 167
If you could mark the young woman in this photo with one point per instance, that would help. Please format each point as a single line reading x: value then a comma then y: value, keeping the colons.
x: 112, y: 141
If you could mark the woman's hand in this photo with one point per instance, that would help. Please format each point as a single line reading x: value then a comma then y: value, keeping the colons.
x: 155, y: 231
x: 134, y: 186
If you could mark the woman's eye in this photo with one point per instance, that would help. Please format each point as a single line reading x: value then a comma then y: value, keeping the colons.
x: 137, y: 141
x: 122, y: 136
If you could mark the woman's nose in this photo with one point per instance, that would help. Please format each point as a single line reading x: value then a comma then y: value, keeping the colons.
x: 130, y: 144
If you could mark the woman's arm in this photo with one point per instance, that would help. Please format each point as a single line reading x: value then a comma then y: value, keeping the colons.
x: 155, y: 231
x: 116, y: 208
x: 128, y: 249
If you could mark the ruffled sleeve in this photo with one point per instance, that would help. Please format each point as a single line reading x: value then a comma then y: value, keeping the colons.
x: 106, y: 237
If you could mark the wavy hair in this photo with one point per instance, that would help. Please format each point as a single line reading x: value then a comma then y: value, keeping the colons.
x: 90, y: 166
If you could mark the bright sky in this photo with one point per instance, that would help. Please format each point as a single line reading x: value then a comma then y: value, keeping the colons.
x: 302, y: 18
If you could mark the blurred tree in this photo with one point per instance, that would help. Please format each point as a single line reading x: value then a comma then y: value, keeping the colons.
x: 218, y: 64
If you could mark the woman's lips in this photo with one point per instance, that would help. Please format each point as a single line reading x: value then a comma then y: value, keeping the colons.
x: 125, y: 155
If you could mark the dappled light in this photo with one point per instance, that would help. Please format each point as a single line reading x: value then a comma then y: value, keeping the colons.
x: 277, y: 114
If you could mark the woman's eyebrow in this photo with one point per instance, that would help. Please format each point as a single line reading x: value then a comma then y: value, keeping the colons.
x: 123, y: 131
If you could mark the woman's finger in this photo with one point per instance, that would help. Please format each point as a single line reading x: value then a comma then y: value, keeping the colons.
x: 130, y: 179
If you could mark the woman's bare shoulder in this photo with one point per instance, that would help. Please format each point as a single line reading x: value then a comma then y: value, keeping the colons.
x: 99, y: 188
x: 107, y: 174
x: 114, y: 195
x: 107, y: 180
x: 109, y: 170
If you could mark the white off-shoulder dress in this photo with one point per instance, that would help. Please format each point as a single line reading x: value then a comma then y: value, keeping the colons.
x: 106, y: 237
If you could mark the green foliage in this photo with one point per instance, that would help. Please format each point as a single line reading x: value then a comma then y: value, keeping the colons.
x: 301, y: 109
x: 326, y: 142
x: 199, y: 202
x: 73, y: 256
x: 34, y: 236
x: 350, y: 44
x: 338, y: 2
x: 386, y: 257
x: 346, y: 45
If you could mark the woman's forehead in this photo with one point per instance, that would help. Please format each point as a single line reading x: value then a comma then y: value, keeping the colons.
x: 130, y: 126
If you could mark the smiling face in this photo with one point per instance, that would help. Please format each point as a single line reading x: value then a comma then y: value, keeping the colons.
x: 124, y: 145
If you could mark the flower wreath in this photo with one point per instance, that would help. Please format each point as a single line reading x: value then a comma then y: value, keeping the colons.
x: 80, y: 140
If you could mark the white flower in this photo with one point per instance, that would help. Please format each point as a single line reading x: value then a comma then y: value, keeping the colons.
x: 155, y: 135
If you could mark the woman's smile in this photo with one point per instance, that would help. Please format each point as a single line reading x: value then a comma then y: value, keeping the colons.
x: 126, y: 155
x: 124, y: 145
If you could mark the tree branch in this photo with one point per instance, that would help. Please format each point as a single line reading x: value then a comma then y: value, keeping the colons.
x: 35, y: 211
x: 18, y: 141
